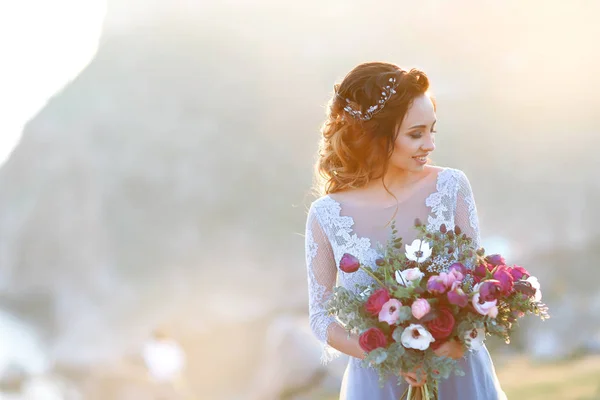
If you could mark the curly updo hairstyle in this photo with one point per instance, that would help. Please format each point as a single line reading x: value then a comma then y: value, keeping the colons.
x: 353, y: 151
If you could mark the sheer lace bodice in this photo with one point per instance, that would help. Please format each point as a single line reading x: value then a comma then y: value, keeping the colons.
x: 333, y: 229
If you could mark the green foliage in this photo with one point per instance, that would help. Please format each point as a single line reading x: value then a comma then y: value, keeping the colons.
x: 376, y: 356
x: 405, y: 314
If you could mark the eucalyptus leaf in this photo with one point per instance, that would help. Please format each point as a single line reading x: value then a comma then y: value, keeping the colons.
x: 405, y: 314
x: 403, y: 292
x: 397, y: 335
x: 376, y: 356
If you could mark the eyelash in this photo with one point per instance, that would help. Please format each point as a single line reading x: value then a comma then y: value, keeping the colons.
x: 418, y: 137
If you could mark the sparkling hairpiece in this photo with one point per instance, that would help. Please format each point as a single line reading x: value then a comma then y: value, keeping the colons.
x: 386, y: 93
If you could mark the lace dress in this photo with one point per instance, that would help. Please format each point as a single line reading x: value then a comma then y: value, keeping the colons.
x: 332, y: 229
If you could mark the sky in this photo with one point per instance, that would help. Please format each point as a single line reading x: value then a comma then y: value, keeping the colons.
x: 44, y: 44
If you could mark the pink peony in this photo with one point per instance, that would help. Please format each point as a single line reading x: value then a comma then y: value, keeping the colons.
x: 489, y: 308
x: 390, y: 312
x: 459, y: 267
x: 420, y: 308
x: 457, y: 296
x: 489, y: 289
x: 456, y: 275
x: 436, y: 285
x: 413, y: 274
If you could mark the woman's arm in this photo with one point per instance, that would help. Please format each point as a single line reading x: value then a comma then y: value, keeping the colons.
x: 465, y: 212
x: 322, y: 274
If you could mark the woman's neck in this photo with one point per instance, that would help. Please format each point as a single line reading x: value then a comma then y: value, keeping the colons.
x: 398, y: 180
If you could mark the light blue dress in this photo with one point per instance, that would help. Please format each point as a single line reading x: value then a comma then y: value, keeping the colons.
x: 444, y: 196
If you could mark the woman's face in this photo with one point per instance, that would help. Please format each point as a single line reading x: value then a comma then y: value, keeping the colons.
x: 415, y: 138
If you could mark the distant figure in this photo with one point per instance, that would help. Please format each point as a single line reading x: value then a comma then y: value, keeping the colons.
x: 164, y: 358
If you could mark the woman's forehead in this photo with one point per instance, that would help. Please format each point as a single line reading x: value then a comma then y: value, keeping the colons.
x: 420, y: 112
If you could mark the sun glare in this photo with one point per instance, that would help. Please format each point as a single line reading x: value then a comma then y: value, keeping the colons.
x: 43, y: 46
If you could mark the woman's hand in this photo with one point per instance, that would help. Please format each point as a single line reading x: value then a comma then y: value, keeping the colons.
x: 411, y: 377
x: 452, y: 348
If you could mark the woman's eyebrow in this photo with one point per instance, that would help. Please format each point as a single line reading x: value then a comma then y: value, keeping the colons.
x: 421, y: 126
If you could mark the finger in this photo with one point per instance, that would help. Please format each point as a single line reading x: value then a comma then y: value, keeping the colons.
x: 417, y: 384
x: 411, y: 381
x: 420, y: 382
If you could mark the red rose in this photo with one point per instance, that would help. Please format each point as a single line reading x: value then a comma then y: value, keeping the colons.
x: 372, y: 339
x: 441, y: 327
x: 376, y: 301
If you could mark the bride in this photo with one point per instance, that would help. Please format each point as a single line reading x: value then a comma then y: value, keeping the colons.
x: 373, y: 168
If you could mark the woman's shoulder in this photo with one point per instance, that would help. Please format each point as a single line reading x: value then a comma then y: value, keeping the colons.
x: 449, y: 172
x: 325, y: 201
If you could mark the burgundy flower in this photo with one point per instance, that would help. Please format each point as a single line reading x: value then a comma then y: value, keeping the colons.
x: 495, y: 260
x: 372, y: 339
x: 349, y: 263
x: 525, y: 288
x: 489, y: 290
x: 375, y: 302
x: 505, y: 278
x: 441, y: 327
x: 519, y: 273
x: 481, y: 270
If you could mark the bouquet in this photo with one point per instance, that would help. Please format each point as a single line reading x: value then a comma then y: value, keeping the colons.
x: 425, y: 296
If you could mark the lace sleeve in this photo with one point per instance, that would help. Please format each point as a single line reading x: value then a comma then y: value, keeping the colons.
x: 322, y: 274
x: 465, y: 214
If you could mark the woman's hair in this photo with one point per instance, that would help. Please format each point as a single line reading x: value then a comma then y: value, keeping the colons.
x: 356, y: 144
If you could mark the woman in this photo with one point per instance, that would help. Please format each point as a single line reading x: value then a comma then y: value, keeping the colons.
x: 373, y: 169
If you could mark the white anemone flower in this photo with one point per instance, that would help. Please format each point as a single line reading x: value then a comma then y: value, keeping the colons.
x: 418, y: 251
x: 475, y: 338
x: 536, y: 285
x: 415, y: 336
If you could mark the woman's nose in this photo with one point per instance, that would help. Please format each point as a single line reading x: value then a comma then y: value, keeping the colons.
x: 429, y: 145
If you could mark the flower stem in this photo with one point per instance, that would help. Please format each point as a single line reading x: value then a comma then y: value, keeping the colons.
x: 426, y: 394
x: 373, y: 276
x: 404, y: 394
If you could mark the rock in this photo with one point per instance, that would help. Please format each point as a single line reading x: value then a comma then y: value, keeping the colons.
x: 291, y: 364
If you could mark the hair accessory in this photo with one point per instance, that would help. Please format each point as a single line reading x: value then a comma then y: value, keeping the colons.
x: 386, y: 93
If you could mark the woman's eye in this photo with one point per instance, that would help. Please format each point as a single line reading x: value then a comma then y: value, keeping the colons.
x: 415, y: 135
